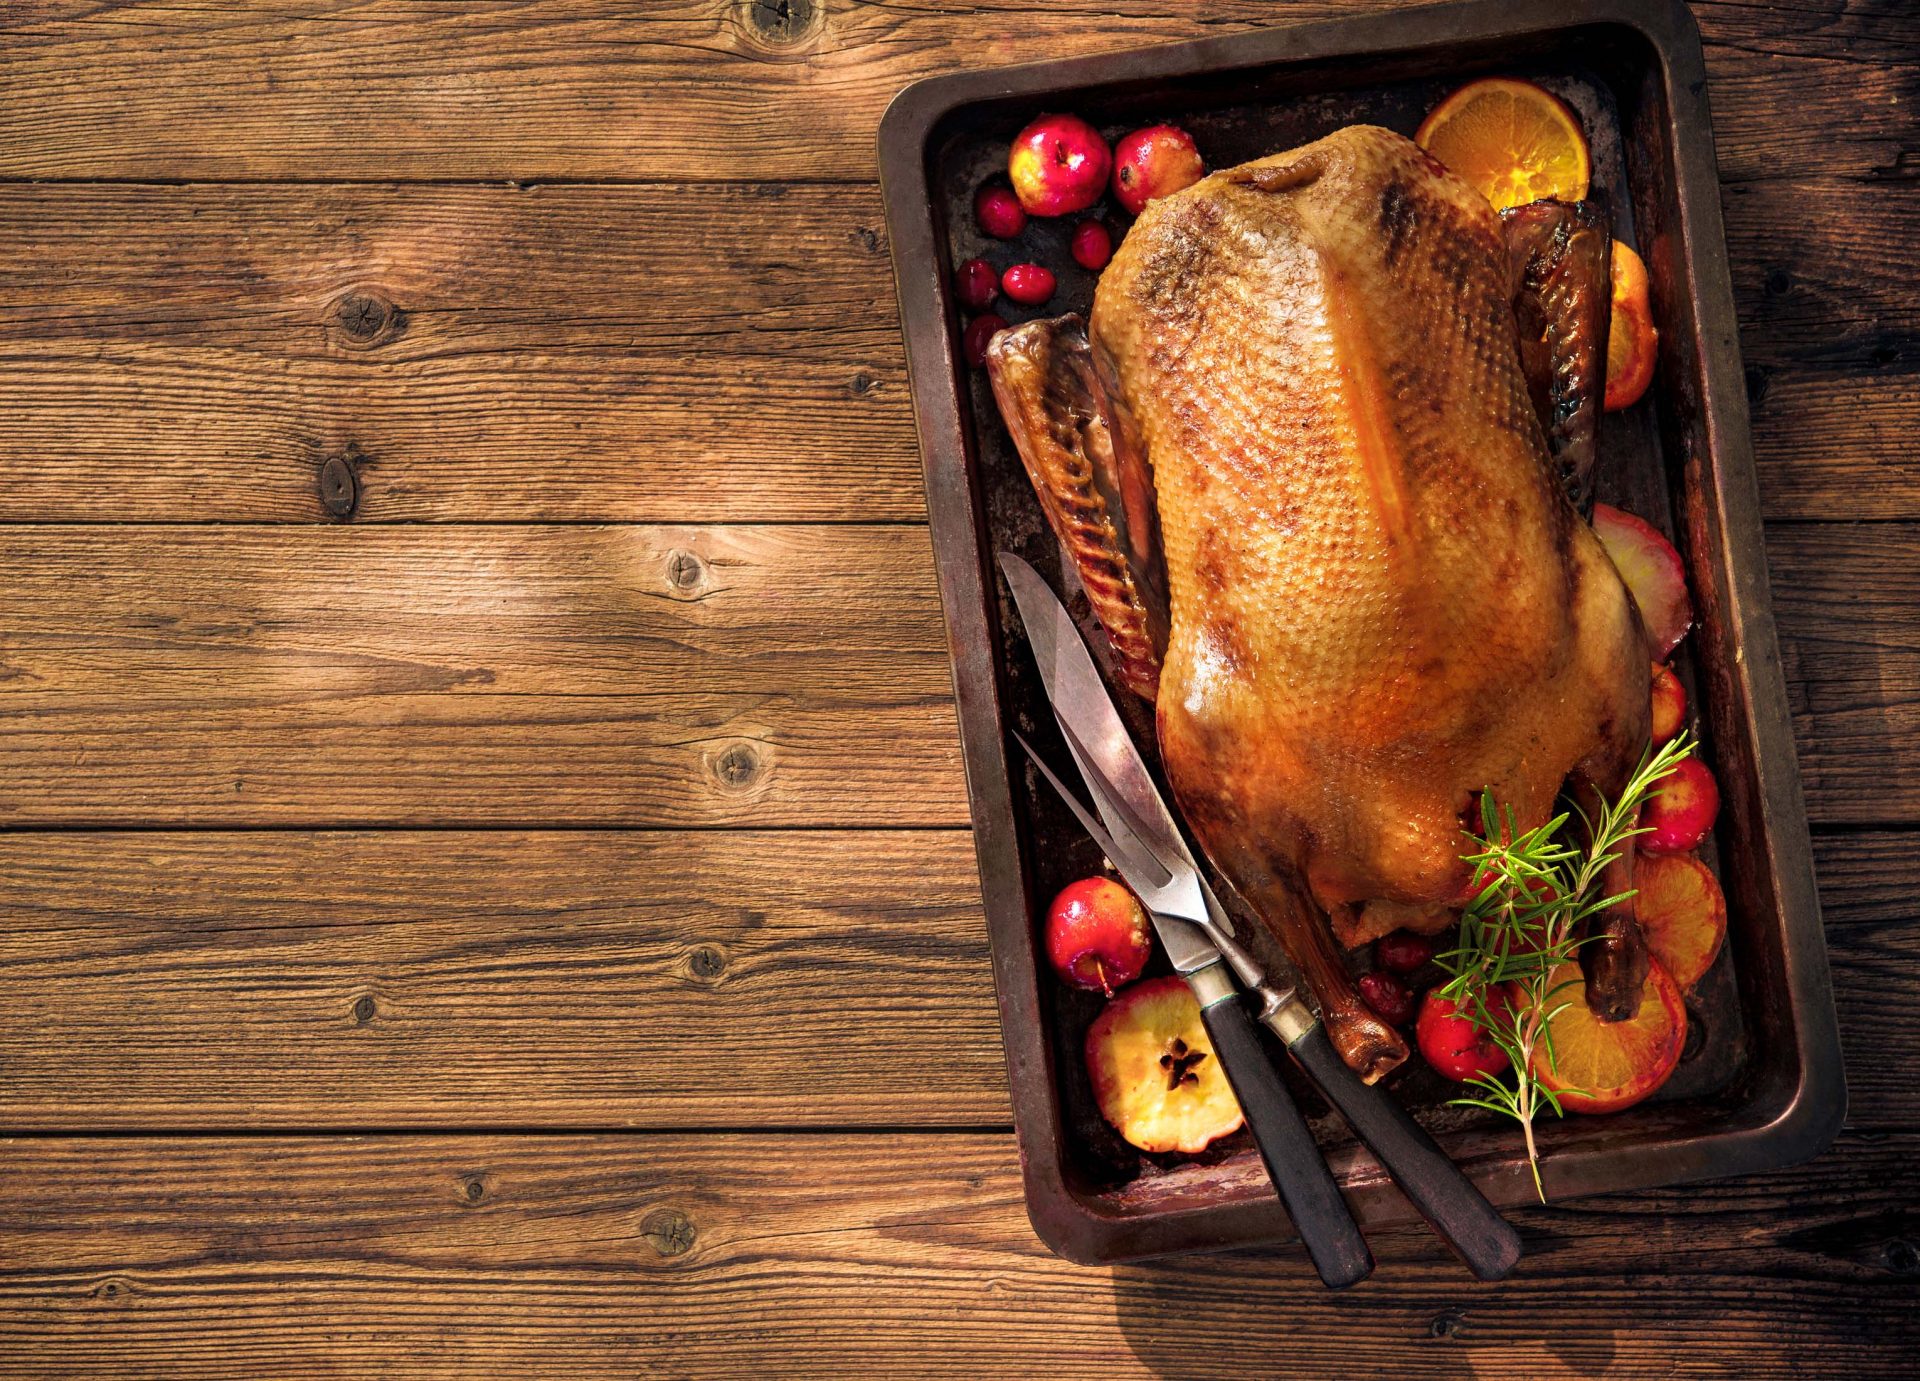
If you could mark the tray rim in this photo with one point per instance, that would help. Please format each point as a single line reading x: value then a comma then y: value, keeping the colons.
x: 1797, y: 1123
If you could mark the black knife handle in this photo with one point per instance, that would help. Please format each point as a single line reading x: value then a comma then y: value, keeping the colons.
x: 1293, y: 1158
x: 1447, y: 1199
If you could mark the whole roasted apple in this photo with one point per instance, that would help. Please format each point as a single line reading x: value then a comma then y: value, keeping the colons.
x: 1097, y: 935
x: 1059, y: 165
x: 1154, y: 162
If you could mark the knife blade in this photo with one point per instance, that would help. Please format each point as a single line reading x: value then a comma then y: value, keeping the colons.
x: 1078, y: 695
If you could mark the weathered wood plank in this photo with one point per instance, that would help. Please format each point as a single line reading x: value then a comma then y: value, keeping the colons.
x: 587, y: 979
x: 800, y: 1256
x: 1830, y: 331
x: 525, y: 676
x: 499, y: 675
x: 578, y: 979
x: 641, y: 354
x: 1847, y: 600
x: 552, y: 90
x: 557, y: 353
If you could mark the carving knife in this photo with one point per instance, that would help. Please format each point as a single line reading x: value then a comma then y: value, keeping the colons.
x: 1105, y: 754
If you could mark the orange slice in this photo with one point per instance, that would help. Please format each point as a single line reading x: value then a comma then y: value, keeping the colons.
x: 1632, y: 341
x: 1510, y: 139
x: 1682, y: 912
x: 1601, y: 1066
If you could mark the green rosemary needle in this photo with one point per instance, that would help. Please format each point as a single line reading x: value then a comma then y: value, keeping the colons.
x: 1524, y: 925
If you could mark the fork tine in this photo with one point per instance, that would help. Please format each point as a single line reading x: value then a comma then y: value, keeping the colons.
x: 1125, y: 861
x: 1108, y: 796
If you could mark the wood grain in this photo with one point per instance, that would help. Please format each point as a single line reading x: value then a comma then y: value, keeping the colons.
x: 884, y: 1255
x: 181, y: 354
x: 710, y: 352
x: 580, y: 979
x: 529, y: 676
x: 588, y: 979
x: 501, y: 675
x: 1847, y: 600
x: 722, y: 89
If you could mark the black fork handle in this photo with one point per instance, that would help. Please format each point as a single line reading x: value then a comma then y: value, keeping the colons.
x: 1453, y: 1207
x: 1286, y: 1143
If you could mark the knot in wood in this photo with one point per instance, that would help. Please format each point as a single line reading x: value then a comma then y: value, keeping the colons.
x: 1902, y: 1257
x: 1445, y: 1325
x: 668, y: 1231
x: 340, y: 484
x: 113, y: 1291
x: 686, y: 572
x: 368, y: 319
x: 363, y: 1009
x: 707, y: 962
x: 781, y: 23
x: 861, y: 384
x: 736, y: 767
x: 475, y: 1190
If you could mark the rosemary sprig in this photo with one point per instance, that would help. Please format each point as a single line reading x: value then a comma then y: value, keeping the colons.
x: 1535, y: 889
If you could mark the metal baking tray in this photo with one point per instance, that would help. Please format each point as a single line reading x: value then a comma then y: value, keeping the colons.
x: 1761, y: 1083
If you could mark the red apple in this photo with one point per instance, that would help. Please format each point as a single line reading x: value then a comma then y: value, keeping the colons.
x: 1653, y: 574
x: 1059, y: 165
x: 1097, y: 935
x: 1154, y: 162
x: 1682, y: 811
x: 1452, y: 1044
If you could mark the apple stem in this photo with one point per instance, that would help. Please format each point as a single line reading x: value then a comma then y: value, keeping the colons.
x: 1100, y: 972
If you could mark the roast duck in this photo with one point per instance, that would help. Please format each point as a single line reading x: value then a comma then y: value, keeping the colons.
x: 1319, y: 456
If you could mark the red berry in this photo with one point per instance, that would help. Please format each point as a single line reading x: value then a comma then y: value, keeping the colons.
x: 1028, y: 284
x: 975, y: 284
x: 1403, y: 951
x: 1092, y: 245
x: 1390, y: 999
x: 974, y: 343
x: 999, y: 212
x: 1452, y: 1044
x: 1097, y: 935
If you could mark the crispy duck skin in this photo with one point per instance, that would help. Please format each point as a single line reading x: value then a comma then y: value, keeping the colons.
x: 1559, y: 255
x: 1093, y: 485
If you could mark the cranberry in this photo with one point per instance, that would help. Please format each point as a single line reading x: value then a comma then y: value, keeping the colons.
x: 1390, y: 999
x: 1092, y: 245
x: 999, y: 212
x: 1403, y: 951
x: 974, y: 343
x: 976, y: 284
x: 1028, y: 284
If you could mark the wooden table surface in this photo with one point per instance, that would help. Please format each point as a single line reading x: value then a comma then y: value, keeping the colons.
x: 485, y: 876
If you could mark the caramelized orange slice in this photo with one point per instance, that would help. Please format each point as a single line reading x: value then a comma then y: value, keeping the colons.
x: 1683, y: 913
x: 1511, y: 140
x: 1632, y: 341
x: 1602, y: 1066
